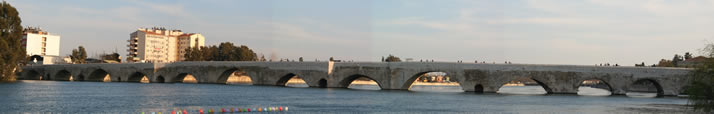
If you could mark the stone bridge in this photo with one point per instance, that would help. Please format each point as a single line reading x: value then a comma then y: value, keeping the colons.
x: 389, y: 76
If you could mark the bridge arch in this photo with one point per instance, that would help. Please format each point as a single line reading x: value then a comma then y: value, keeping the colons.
x: 159, y: 79
x: 99, y: 75
x: 223, y: 78
x: 182, y: 76
x: 283, y: 81
x: 80, y: 77
x: 322, y: 83
x: 658, y: 88
x: 62, y: 75
x: 594, y: 87
x: 441, y: 81
x: 348, y: 80
x: 136, y: 77
x: 545, y: 87
x: 32, y: 75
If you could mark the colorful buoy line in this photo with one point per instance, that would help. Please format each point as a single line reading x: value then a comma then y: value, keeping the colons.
x: 223, y: 110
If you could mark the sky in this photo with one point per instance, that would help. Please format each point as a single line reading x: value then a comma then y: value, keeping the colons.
x: 576, y: 32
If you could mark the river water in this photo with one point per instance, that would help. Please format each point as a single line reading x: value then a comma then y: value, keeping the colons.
x: 99, y: 97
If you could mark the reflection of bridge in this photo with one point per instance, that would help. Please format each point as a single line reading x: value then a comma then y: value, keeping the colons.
x: 471, y: 77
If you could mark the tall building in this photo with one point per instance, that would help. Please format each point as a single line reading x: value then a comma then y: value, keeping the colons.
x: 159, y: 45
x: 41, y: 45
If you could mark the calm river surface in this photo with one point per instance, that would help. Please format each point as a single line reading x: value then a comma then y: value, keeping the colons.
x: 98, y: 97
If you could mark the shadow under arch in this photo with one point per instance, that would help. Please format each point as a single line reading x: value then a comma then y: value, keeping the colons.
x: 79, y: 78
x: 478, y: 88
x: 284, y: 79
x: 62, y: 75
x: 136, y: 77
x: 223, y: 79
x: 180, y: 78
x: 322, y: 83
x: 347, y: 81
x: 159, y: 79
x: 32, y: 75
x: 658, y: 87
x: 540, y: 83
x: 99, y: 75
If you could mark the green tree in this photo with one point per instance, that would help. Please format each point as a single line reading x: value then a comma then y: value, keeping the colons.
x: 332, y: 59
x: 225, y: 51
x: 701, y: 90
x: 687, y: 56
x: 676, y: 60
x: 79, y: 55
x: 300, y: 59
x: 392, y: 58
x: 12, y: 53
x: 246, y: 54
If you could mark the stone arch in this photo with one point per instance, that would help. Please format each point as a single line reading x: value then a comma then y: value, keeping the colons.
x: 322, y: 83
x: 660, y: 90
x: 411, y: 79
x: 62, y: 75
x: 545, y: 87
x: 136, y: 77
x: 80, y: 77
x: 478, y: 88
x: 98, y: 75
x: 223, y: 78
x: 159, y: 79
x: 610, y: 88
x: 32, y: 75
x: 180, y: 77
x: 285, y: 78
x: 348, y: 80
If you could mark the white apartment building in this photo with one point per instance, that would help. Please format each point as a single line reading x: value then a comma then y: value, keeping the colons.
x: 158, y: 45
x: 41, y: 43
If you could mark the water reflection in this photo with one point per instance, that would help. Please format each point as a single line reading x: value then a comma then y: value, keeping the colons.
x: 94, y: 97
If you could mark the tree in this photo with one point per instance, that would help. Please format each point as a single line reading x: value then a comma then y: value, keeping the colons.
x: 225, y: 51
x: 701, y: 90
x: 701, y: 94
x: 687, y: 56
x: 665, y: 63
x: 300, y: 59
x: 79, y: 55
x: 332, y: 59
x: 392, y: 58
x: 676, y: 59
x: 12, y: 53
